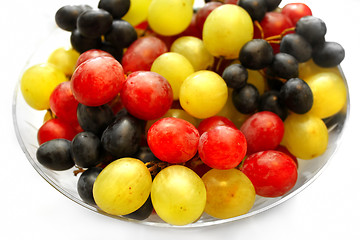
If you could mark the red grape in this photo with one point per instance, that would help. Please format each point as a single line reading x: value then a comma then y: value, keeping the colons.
x: 54, y: 129
x: 203, y: 12
x: 146, y: 95
x: 222, y: 147
x: 173, y: 140
x: 272, y: 173
x: 263, y: 131
x: 97, y: 81
x: 92, y: 53
x: 142, y: 53
x: 215, y: 121
x: 295, y: 11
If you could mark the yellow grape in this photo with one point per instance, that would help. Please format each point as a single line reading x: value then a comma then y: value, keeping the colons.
x: 138, y: 12
x: 178, y: 195
x: 194, y: 50
x: 229, y: 111
x: 329, y: 92
x: 230, y: 193
x: 65, y: 59
x: 122, y: 187
x: 175, y: 68
x: 176, y: 113
x: 169, y: 17
x: 226, y: 29
x: 38, y: 82
x: 257, y: 79
x: 309, y: 68
x: 305, y: 136
x: 203, y: 94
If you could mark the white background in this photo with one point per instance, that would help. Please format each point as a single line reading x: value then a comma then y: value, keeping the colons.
x: 32, y: 209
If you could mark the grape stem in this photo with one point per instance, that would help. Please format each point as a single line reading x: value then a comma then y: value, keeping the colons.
x: 278, y: 38
x: 257, y: 24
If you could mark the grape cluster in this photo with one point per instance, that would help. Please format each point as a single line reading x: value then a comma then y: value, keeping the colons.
x: 160, y: 112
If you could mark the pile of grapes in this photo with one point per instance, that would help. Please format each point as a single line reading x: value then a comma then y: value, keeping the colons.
x: 167, y: 110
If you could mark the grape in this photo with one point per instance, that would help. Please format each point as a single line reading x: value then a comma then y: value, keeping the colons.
x: 271, y: 101
x: 175, y: 68
x: 257, y: 79
x: 194, y: 50
x: 142, y: 53
x: 272, y: 4
x: 81, y: 43
x: 309, y: 68
x: 313, y: 29
x: 94, y: 23
x: 121, y: 34
x: 122, y: 137
x: 203, y: 94
x: 297, y: 95
x: 226, y: 30
x: 305, y: 135
x: 173, y: 140
x: 178, y: 195
x: 94, y: 119
x: 85, y: 150
x: 117, y: 8
x: 63, y: 103
x: 97, y: 81
x: 65, y: 59
x: 222, y: 147
x: 55, y: 154
x: 54, y: 129
x: 246, y: 99
x: 329, y: 92
x: 235, y: 75
x: 66, y: 16
x: 85, y: 184
x: 143, y: 212
x: 114, y: 51
x: 295, y: 45
x: 38, y: 82
x: 215, y: 121
x: 295, y: 11
x: 263, y: 131
x: 229, y: 193
x: 256, y: 54
x: 122, y: 187
x: 169, y: 17
x: 203, y: 13
x: 284, y: 66
x: 328, y: 55
x: 145, y: 155
x: 92, y: 53
x: 255, y: 8
x: 146, y: 95
x: 272, y: 173
x: 137, y: 12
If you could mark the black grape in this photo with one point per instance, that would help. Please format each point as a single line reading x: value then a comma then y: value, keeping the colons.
x: 235, y: 75
x: 297, y: 95
x: 271, y: 101
x: 86, y: 149
x: 94, y: 119
x: 328, y: 55
x: 117, y: 53
x: 55, y: 154
x: 121, y: 34
x: 94, y: 23
x: 284, y: 66
x: 143, y: 212
x: 145, y: 155
x: 256, y: 54
x: 272, y: 4
x: 66, y: 16
x: 313, y: 29
x: 85, y: 184
x: 122, y: 138
x: 255, y: 8
x: 82, y: 44
x: 117, y: 8
x: 246, y: 99
x: 297, y: 46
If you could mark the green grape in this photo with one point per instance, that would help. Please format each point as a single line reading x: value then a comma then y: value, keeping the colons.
x: 65, y: 59
x: 229, y: 111
x: 169, y: 17
x: 38, y: 82
x: 226, y: 29
x: 230, y: 193
x: 329, y: 93
x: 122, y: 187
x: 175, y: 68
x: 178, y: 195
x: 305, y: 135
x: 309, y: 68
x: 203, y: 94
x: 176, y: 113
x: 137, y: 12
x: 194, y: 50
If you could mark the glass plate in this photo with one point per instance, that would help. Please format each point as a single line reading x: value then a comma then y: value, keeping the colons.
x: 27, y: 121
